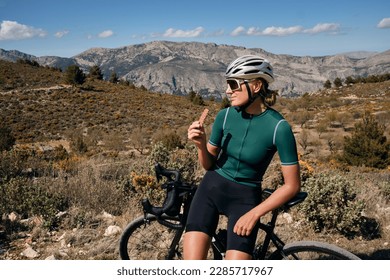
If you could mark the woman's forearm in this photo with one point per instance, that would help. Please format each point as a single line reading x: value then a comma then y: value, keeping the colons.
x: 207, y: 155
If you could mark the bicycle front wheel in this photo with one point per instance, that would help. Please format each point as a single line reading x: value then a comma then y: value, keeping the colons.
x: 312, y: 250
x: 147, y: 239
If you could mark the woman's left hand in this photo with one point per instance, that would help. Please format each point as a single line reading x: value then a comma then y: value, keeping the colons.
x: 246, y: 223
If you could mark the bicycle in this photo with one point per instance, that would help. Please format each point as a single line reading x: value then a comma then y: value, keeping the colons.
x: 158, y: 232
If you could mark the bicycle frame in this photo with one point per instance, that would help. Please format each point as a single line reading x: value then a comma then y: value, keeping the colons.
x: 176, y: 221
x: 261, y: 250
x: 218, y: 245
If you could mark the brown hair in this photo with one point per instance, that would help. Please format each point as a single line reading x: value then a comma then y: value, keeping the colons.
x: 268, y: 95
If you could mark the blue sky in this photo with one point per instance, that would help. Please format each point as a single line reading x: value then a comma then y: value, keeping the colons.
x: 307, y: 27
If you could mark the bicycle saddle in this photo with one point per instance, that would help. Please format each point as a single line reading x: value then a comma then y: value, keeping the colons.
x: 298, y: 198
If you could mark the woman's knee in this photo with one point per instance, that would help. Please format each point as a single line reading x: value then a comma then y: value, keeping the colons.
x: 237, y: 255
x: 196, y: 245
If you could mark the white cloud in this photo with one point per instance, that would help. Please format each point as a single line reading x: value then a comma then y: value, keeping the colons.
x: 324, y: 27
x: 176, y: 33
x: 238, y: 31
x: 282, y: 31
x: 12, y: 30
x: 285, y: 31
x: 384, y: 23
x: 269, y: 31
x: 254, y: 31
x: 61, y: 34
x: 106, y: 34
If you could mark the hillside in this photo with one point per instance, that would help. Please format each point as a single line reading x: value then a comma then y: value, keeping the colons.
x: 38, y: 107
x: 97, y: 187
x: 178, y: 68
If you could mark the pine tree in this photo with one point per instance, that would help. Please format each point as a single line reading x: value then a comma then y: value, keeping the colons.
x: 74, y: 75
x: 95, y: 73
x: 327, y: 84
x: 114, y: 78
x: 367, y: 145
x: 337, y: 82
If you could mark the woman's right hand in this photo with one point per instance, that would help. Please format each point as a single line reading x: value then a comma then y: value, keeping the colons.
x: 197, y: 134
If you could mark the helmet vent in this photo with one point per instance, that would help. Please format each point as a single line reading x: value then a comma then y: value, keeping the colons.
x: 254, y: 71
x: 254, y: 63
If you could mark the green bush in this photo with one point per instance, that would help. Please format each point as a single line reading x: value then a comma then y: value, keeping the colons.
x: 196, y: 98
x: 332, y: 204
x: 158, y: 154
x: 23, y: 196
x: 185, y: 160
x: 7, y: 140
x: 367, y: 145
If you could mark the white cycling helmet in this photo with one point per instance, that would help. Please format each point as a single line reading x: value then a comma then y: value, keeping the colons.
x: 250, y: 67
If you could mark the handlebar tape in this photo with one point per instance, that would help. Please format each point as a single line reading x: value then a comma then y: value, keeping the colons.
x: 157, y: 210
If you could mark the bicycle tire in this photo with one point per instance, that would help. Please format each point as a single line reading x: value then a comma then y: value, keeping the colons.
x: 147, y: 239
x: 312, y: 250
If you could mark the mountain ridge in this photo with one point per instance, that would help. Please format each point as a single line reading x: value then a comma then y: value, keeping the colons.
x: 180, y: 67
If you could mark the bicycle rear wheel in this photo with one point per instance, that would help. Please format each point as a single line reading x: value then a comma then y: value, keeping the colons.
x: 312, y: 250
x: 147, y: 239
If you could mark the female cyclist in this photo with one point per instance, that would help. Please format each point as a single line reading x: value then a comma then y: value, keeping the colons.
x: 242, y: 143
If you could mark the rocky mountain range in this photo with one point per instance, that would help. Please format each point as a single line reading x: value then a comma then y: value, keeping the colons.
x: 179, y: 67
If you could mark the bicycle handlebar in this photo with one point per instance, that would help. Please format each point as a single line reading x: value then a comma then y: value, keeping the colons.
x: 159, y: 210
x: 174, y: 181
x: 161, y: 171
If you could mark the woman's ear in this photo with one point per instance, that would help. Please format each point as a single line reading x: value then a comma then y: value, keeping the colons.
x: 257, y: 84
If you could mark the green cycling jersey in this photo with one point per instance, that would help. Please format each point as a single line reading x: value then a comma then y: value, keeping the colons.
x: 249, y: 142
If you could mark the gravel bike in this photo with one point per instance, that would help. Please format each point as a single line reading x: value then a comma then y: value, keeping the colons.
x: 157, y: 234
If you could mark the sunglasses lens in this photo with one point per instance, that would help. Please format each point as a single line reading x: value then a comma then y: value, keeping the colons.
x: 233, y: 84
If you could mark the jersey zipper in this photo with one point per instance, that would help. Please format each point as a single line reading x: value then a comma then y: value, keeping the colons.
x: 248, y: 124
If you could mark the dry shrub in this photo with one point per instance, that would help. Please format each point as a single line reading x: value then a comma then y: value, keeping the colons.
x: 371, y: 188
x: 385, y: 189
x: 68, y: 165
x: 169, y: 139
x: 146, y: 186
x: 92, y: 189
x: 332, y: 204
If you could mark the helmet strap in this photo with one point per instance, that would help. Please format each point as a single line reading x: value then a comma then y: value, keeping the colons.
x: 251, y: 98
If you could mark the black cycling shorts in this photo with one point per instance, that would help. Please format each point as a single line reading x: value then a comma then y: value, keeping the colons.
x: 217, y: 195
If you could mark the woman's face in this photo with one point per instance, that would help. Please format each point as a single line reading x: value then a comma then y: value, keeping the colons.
x: 240, y: 96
